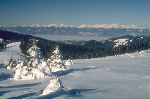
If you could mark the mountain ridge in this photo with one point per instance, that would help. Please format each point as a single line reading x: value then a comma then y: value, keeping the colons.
x: 82, y: 26
x: 111, y: 30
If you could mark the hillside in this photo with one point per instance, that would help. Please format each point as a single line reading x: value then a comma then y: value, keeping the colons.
x: 83, y: 49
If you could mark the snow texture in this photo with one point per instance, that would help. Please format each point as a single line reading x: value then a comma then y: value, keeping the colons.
x: 54, y: 86
x: 117, y: 77
x: 121, y: 42
x: 68, y: 62
x: 12, y: 50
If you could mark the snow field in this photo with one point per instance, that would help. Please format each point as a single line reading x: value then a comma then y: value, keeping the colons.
x: 117, y: 77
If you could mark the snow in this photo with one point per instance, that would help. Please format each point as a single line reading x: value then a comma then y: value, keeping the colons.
x: 1, y: 40
x: 12, y: 50
x: 121, y: 42
x: 12, y: 64
x: 54, y: 86
x: 106, y: 26
x: 68, y: 62
x: 48, y: 25
x: 116, y: 77
x: 56, y: 62
x: 33, y: 66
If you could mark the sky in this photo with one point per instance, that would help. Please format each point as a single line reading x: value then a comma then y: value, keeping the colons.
x: 75, y: 12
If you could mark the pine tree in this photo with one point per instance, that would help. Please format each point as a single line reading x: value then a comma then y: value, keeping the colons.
x: 34, y: 66
x: 56, y: 62
x: 19, y: 69
x: 12, y: 63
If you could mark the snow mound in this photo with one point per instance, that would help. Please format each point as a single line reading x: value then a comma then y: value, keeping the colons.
x: 54, y: 86
x: 121, y: 42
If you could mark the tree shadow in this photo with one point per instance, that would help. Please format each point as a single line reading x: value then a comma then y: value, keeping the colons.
x: 23, y: 96
x: 63, y: 73
x: 4, y: 76
x: 21, y: 85
x: 4, y: 92
x: 7, y: 91
x: 70, y: 93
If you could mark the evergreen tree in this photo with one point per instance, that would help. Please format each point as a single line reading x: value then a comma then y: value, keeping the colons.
x: 32, y: 66
x: 2, y: 65
x: 12, y: 63
x: 56, y: 62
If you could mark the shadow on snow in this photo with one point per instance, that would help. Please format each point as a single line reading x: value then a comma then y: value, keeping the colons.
x: 23, y: 96
x: 63, y: 73
x: 71, y: 93
x: 21, y: 85
x: 4, y: 76
x: 4, y: 92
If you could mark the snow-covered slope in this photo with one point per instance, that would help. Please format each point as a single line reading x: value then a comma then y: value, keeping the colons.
x: 12, y: 50
x: 117, y: 77
x: 121, y: 42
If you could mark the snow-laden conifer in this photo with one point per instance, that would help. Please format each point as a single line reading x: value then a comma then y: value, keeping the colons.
x: 55, y: 62
x: 12, y: 63
x: 32, y: 66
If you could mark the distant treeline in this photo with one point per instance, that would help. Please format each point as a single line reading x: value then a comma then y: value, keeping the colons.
x: 81, y: 50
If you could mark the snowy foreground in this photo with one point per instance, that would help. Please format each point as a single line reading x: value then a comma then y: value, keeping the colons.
x: 118, y: 77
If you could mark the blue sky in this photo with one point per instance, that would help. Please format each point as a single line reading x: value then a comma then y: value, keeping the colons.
x: 76, y: 12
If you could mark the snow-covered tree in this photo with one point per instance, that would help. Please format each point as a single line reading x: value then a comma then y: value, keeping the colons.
x: 68, y: 62
x: 19, y: 69
x: 12, y: 63
x: 55, y: 62
x: 54, y: 86
x: 2, y: 65
x: 33, y: 66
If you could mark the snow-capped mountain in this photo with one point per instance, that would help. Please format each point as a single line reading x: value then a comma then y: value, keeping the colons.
x: 107, y: 26
x: 82, y: 30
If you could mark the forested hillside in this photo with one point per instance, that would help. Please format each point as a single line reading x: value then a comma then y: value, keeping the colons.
x: 84, y: 49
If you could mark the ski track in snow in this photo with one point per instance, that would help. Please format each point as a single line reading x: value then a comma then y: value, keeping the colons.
x: 117, y: 77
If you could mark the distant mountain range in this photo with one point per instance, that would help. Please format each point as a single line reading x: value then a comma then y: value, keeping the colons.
x: 102, y: 30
